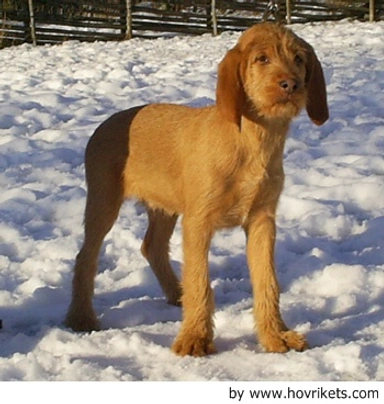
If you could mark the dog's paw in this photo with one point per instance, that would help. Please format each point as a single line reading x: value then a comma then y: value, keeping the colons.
x: 284, y: 341
x: 294, y: 340
x: 193, y: 345
x: 82, y: 322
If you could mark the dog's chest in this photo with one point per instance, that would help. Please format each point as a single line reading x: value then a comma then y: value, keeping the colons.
x: 257, y: 179
x: 249, y: 187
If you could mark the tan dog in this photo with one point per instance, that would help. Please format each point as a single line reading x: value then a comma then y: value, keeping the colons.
x: 219, y: 166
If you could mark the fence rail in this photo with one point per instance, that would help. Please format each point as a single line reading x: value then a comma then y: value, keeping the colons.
x: 50, y: 21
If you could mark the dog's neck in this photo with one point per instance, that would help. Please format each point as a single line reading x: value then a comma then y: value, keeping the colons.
x: 264, y: 138
x: 264, y: 128
x: 271, y: 125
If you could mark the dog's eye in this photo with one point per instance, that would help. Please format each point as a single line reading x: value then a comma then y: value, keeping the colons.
x: 262, y: 59
x: 298, y: 60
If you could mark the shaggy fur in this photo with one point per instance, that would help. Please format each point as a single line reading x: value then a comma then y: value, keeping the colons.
x: 219, y: 166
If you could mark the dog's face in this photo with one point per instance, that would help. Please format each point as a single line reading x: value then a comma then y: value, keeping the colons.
x: 271, y: 73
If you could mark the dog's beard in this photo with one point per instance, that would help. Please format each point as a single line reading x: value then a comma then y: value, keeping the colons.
x: 286, y: 109
x: 280, y: 106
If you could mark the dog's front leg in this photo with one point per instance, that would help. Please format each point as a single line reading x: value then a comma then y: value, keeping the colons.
x: 196, y: 335
x: 272, y: 332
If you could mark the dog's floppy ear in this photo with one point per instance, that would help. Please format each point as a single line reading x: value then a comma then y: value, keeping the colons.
x: 230, y: 96
x: 317, y: 107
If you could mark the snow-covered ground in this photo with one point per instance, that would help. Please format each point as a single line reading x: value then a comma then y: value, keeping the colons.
x: 330, y: 248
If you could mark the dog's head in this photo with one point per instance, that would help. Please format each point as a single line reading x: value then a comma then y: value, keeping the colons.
x: 271, y: 73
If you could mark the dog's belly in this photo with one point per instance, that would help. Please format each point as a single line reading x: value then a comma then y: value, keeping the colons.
x: 156, y: 195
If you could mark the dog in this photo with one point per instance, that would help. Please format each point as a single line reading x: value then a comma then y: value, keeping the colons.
x: 219, y: 166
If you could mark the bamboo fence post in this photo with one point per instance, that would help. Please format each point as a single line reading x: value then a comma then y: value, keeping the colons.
x: 288, y: 11
x: 371, y: 10
x: 214, y: 17
x: 32, y: 22
x: 128, y: 34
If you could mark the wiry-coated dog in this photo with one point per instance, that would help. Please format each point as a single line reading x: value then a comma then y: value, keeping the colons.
x: 219, y: 166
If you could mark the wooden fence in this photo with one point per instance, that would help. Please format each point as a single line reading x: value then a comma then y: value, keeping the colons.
x: 50, y: 21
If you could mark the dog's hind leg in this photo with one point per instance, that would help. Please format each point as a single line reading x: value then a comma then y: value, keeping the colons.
x: 105, y: 196
x: 155, y: 249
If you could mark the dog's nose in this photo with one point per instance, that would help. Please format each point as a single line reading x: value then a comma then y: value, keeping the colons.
x: 289, y: 85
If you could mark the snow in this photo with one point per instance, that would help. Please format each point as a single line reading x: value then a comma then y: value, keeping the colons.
x: 330, y: 247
